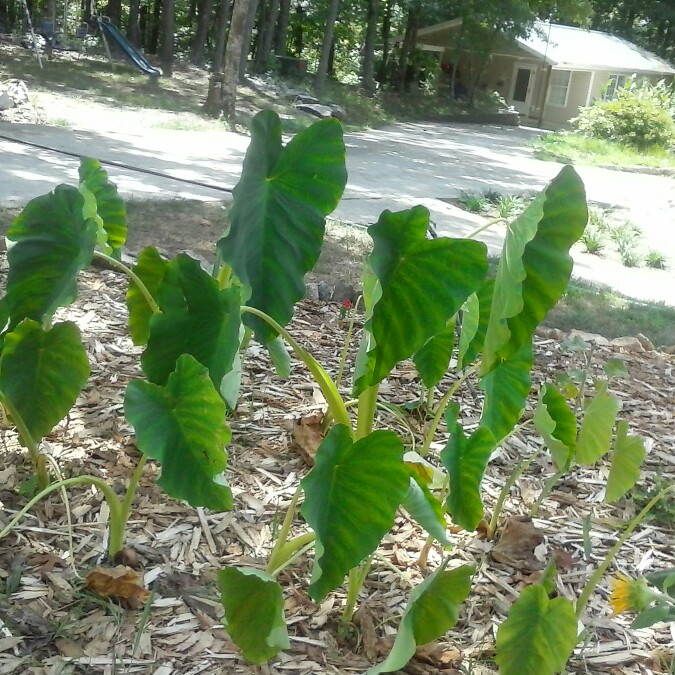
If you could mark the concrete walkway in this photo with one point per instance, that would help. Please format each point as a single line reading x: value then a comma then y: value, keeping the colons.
x: 393, y: 168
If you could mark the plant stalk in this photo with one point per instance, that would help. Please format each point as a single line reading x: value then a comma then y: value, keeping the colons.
x: 366, y: 414
x: 133, y: 276
x: 487, y: 225
x: 357, y: 577
x: 118, y: 526
x: 275, y: 559
x: 348, y: 340
x: 602, y: 568
x: 327, y: 386
x: 442, y: 405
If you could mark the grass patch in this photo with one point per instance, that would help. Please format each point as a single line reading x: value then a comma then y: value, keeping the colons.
x: 577, y: 149
x: 600, y: 310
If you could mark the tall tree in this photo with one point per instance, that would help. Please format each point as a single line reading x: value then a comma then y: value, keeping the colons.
x: 268, y: 22
x: 368, y: 62
x: 212, y: 105
x: 329, y: 31
x: 240, y: 13
x: 281, y: 35
x: 204, y: 17
x: 133, y: 24
x: 409, y: 40
x: 168, y: 33
x: 247, y: 31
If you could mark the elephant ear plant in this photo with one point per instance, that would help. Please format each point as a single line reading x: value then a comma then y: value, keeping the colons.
x: 415, y: 290
x: 192, y: 324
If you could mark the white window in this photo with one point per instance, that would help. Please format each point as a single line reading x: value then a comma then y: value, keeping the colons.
x: 558, y: 87
x: 614, y: 84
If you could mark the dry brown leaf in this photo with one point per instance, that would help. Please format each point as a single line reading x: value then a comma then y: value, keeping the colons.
x: 68, y: 648
x: 308, y: 435
x: 516, y: 546
x: 119, y: 582
x: 365, y: 620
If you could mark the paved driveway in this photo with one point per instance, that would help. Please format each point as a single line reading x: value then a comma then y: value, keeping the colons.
x: 393, y: 168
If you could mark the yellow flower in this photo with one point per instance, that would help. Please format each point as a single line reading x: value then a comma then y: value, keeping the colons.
x: 629, y: 594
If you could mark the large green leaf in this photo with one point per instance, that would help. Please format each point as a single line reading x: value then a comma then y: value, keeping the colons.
x: 277, y: 218
x: 595, y: 433
x: 151, y: 269
x: 424, y: 508
x: 433, y: 358
x: 110, y: 207
x: 475, y: 319
x: 254, y: 612
x: 433, y: 609
x: 557, y: 425
x: 351, y: 497
x: 197, y: 318
x: 50, y: 243
x: 629, y: 453
x: 506, y: 388
x: 535, y: 266
x: 538, y: 635
x: 41, y: 374
x: 424, y: 282
x: 182, y: 425
x: 465, y: 460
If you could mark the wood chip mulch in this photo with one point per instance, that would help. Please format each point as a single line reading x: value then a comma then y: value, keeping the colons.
x: 50, y: 624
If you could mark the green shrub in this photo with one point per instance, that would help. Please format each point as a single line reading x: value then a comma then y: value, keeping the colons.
x: 641, y: 122
x: 656, y: 260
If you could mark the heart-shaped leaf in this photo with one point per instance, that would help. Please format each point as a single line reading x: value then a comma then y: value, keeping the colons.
x: 595, y: 433
x: 433, y: 358
x: 433, y: 609
x: 426, y: 510
x: 557, y: 425
x: 182, y: 425
x: 535, y: 266
x: 197, y: 318
x: 151, y: 269
x: 538, y: 636
x: 351, y: 497
x: 475, y: 319
x: 506, y: 388
x: 629, y: 453
x: 110, y: 207
x: 41, y: 374
x: 254, y: 612
x: 465, y: 460
x: 50, y: 243
x: 424, y: 282
x: 277, y: 218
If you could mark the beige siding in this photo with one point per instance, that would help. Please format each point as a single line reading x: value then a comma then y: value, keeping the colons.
x: 576, y: 98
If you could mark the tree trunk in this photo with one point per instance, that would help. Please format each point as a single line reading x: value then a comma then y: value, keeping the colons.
x: 268, y: 22
x: 240, y: 15
x: 281, y: 34
x: 409, y: 40
x: 192, y: 12
x: 154, y: 27
x: 133, y: 26
x: 168, y: 32
x: 203, y: 25
x: 298, y: 31
x: 245, y: 37
x: 212, y: 105
x: 368, y: 62
x: 322, y: 68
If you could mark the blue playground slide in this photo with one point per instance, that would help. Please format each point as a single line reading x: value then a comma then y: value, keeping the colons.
x: 112, y: 32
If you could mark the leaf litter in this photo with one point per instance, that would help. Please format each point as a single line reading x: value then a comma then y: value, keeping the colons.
x: 50, y: 623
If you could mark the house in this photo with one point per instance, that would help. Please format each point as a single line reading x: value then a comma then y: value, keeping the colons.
x: 548, y: 75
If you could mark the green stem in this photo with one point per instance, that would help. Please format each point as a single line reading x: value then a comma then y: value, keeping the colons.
x: 290, y: 551
x: 442, y: 405
x: 357, y: 577
x: 546, y: 491
x: 275, y: 557
x: 602, y: 568
x: 133, y: 276
x: 348, y: 340
x: 118, y: 527
x: 366, y: 414
x: 31, y: 444
x: 510, y: 482
x: 327, y: 386
x: 111, y: 498
x: 487, y: 225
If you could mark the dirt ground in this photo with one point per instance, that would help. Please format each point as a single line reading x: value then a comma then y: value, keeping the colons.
x: 50, y: 624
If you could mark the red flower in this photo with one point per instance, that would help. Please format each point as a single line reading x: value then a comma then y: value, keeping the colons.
x: 347, y: 303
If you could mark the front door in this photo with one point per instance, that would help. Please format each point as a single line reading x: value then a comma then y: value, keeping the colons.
x: 523, y: 87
